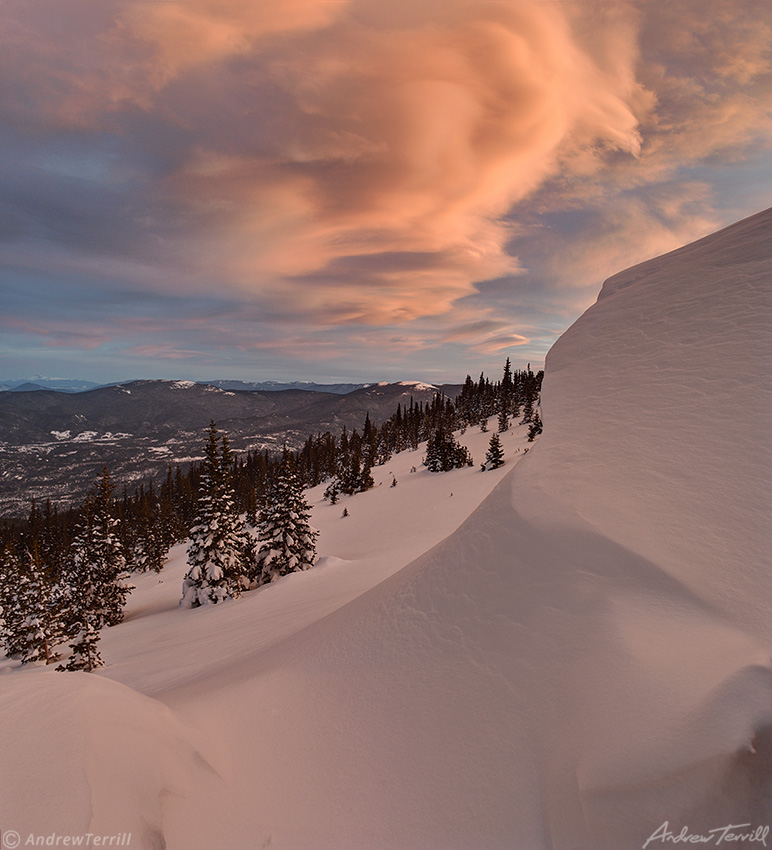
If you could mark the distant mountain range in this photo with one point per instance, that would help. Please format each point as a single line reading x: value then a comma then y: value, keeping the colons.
x: 65, y: 385
x: 62, y: 385
x: 276, y: 386
x: 53, y: 443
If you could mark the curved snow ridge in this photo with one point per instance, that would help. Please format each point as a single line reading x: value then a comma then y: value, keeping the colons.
x: 126, y: 763
x: 741, y: 243
x: 657, y: 406
x: 468, y: 699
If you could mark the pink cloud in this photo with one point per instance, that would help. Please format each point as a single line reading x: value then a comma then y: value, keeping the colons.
x: 162, y: 351
x: 58, y: 334
x: 403, y: 130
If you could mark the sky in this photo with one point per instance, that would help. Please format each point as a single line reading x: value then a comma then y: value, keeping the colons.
x: 356, y: 190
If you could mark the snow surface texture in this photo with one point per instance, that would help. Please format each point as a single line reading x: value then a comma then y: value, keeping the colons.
x: 562, y: 655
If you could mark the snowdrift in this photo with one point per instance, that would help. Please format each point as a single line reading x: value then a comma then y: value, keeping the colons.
x: 584, y: 659
x: 82, y: 755
x: 659, y: 403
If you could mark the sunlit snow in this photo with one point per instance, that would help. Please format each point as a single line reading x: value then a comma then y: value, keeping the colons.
x: 561, y: 654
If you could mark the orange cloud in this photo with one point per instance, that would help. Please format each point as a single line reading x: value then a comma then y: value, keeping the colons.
x: 408, y: 137
x: 368, y: 132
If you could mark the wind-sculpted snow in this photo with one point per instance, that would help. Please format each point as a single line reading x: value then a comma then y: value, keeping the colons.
x: 82, y: 755
x: 658, y: 404
x: 578, y: 660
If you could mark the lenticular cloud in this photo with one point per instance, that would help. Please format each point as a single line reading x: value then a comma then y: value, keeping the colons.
x: 384, y: 149
x: 353, y: 157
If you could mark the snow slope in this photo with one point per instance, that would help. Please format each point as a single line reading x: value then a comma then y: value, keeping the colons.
x: 564, y: 654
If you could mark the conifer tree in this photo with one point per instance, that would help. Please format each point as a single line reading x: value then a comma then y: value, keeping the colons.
x: 151, y: 534
x: 96, y: 576
x: 494, y: 457
x: 528, y: 410
x: 41, y: 601
x: 503, y: 423
x: 220, y: 548
x: 287, y: 541
x: 12, y: 593
x: 353, y: 475
x: 85, y: 655
x: 434, y: 458
x: 444, y: 453
x: 332, y: 492
x: 507, y: 383
x: 535, y: 427
x: 94, y: 587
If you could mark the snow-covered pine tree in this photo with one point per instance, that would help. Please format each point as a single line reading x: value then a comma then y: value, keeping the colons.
x: 95, y: 578
x: 494, y: 457
x: 41, y: 606
x: 287, y: 543
x: 220, y: 549
x: 332, y: 491
x: 353, y: 473
x: 12, y: 595
x: 85, y: 655
x: 535, y: 428
x: 434, y: 460
x: 94, y: 587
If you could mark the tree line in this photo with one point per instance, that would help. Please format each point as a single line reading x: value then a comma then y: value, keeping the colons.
x: 64, y: 573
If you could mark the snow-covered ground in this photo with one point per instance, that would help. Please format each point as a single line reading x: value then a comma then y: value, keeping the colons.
x: 564, y: 653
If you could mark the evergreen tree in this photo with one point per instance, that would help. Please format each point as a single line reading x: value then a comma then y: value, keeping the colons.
x: 503, y: 423
x: 94, y: 590
x: 444, y: 453
x: 434, y: 460
x: 353, y: 475
x: 332, y: 492
x: 287, y: 541
x: 85, y: 655
x: 507, y: 383
x: 252, y: 507
x: 12, y: 595
x: 494, y: 457
x: 528, y: 410
x: 41, y: 606
x: 96, y: 575
x: 535, y: 427
x: 220, y: 548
